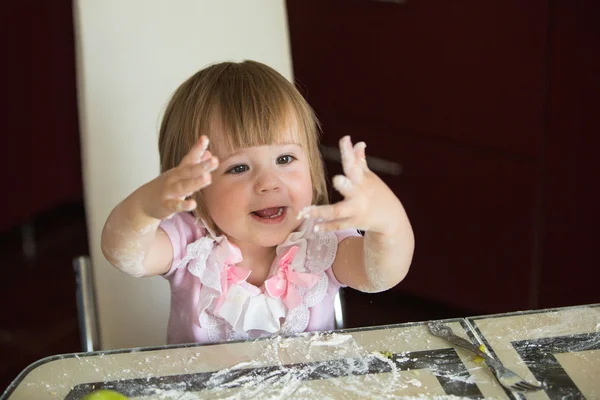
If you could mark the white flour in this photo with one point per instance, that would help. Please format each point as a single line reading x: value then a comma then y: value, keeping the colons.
x: 345, y: 377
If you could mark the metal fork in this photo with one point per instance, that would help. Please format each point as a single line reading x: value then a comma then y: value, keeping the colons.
x: 505, y: 376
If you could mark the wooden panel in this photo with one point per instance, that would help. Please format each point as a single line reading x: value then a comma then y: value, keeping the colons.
x: 472, y: 214
x: 40, y: 152
x: 570, y: 273
x: 464, y: 69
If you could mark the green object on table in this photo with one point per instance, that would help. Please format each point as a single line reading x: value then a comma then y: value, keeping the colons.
x: 104, y: 394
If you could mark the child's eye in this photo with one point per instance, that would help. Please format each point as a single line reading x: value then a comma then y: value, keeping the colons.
x: 287, y: 159
x: 237, y: 169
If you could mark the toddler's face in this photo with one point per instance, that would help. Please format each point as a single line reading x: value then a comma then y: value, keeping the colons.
x: 257, y: 192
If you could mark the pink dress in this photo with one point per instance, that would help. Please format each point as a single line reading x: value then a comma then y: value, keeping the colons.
x: 212, y: 302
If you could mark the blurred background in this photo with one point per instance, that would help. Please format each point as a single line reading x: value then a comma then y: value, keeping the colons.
x: 480, y: 115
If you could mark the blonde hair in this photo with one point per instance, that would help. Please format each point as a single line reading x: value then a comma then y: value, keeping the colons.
x: 255, y: 106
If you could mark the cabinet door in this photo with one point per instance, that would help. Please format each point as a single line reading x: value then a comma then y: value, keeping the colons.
x: 453, y: 91
x: 464, y: 70
x: 570, y: 274
x: 472, y: 215
x: 40, y: 145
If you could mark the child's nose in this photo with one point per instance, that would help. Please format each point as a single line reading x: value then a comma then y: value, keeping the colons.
x: 267, y: 181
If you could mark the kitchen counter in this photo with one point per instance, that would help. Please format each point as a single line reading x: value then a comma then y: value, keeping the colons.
x: 560, y: 347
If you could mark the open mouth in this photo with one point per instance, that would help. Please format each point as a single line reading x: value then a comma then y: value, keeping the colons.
x: 270, y: 213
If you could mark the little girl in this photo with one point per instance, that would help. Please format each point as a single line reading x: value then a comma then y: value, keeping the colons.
x: 238, y: 221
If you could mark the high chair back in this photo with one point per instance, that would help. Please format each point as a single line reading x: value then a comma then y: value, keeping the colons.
x: 86, y: 304
x: 131, y: 56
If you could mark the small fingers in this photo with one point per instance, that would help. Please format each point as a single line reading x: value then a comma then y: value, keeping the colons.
x: 187, y: 179
x: 196, y: 153
x: 359, y: 154
x: 193, y: 171
x: 186, y: 187
x: 343, y: 185
x: 341, y: 210
x: 207, y: 165
x: 349, y: 159
x: 351, y: 162
x: 207, y: 155
x: 180, y: 205
x: 336, y: 225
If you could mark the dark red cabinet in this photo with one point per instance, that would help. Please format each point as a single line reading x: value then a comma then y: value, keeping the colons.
x: 570, y: 271
x: 39, y: 154
x: 458, y: 93
x: 471, y: 71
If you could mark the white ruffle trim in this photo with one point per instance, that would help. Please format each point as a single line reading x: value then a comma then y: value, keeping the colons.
x: 248, y: 311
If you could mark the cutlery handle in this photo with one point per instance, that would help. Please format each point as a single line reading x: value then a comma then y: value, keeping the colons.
x: 465, y: 344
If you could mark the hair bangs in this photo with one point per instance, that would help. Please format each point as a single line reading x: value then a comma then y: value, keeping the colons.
x: 240, y: 105
x: 252, y: 107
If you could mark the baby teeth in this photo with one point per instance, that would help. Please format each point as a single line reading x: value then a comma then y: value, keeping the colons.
x: 278, y: 213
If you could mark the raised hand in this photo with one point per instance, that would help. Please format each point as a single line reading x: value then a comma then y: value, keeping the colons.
x: 131, y: 238
x: 170, y: 192
x: 368, y: 203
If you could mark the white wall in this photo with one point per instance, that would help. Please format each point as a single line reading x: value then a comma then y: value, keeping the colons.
x: 132, y: 54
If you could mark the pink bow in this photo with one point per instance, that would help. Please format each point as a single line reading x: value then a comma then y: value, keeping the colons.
x: 284, y: 283
x: 234, y: 274
x: 231, y: 273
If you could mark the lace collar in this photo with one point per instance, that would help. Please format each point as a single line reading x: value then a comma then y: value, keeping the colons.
x: 230, y: 307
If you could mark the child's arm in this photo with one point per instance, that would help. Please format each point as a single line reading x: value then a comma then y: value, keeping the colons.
x: 381, y: 259
x: 131, y: 239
